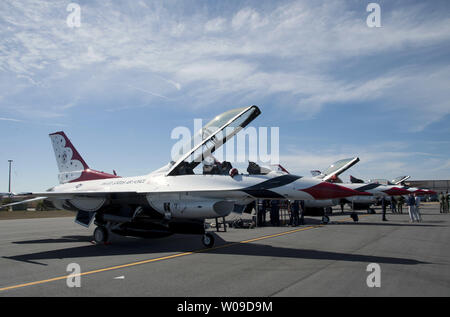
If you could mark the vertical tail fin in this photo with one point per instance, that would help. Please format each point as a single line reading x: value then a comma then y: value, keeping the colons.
x: 71, y: 166
x: 70, y: 163
x: 355, y: 180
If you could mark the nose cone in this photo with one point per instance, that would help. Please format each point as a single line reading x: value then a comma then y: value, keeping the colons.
x: 326, y: 190
x: 395, y: 191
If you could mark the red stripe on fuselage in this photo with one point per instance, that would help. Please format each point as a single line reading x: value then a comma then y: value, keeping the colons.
x: 329, y: 191
x: 395, y: 191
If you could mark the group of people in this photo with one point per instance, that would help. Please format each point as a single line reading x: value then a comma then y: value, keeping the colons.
x: 295, y: 207
x: 443, y: 202
x: 413, y: 203
x: 397, y: 205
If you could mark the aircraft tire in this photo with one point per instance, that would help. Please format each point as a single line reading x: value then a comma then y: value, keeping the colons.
x: 100, y: 235
x: 325, y: 220
x: 354, y: 216
x: 208, y: 240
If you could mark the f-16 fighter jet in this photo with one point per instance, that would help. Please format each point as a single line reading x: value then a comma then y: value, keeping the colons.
x: 173, y: 199
x: 378, y: 188
x: 400, y: 182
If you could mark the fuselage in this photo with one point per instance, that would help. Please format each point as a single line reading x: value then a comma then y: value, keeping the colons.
x: 184, y: 191
x: 377, y: 191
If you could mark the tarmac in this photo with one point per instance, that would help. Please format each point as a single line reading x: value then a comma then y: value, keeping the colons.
x: 308, y: 260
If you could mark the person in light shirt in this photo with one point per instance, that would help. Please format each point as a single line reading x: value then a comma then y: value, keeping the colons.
x: 411, y: 205
x: 417, y: 208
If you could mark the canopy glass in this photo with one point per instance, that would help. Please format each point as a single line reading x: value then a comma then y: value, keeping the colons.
x: 339, y: 167
x: 212, y: 136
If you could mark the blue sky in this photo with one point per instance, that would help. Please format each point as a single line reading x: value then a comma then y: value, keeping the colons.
x: 135, y: 70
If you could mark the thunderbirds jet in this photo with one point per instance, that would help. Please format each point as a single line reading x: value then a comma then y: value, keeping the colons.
x: 359, y: 204
x: 378, y: 188
x: 331, y: 175
x: 172, y: 199
x: 396, y: 181
x: 394, y: 187
x: 400, y: 181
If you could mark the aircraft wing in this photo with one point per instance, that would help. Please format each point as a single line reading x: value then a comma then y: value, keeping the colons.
x: 72, y: 194
x: 22, y: 202
x: 36, y: 196
x: 338, y: 168
x: 212, y: 136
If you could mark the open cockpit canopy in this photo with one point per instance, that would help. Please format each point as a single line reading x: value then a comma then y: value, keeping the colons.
x: 400, y: 179
x: 380, y: 181
x: 212, y: 136
x: 337, y: 168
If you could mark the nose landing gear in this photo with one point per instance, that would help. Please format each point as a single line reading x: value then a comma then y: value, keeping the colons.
x: 208, y: 240
x: 325, y: 220
x: 101, y: 235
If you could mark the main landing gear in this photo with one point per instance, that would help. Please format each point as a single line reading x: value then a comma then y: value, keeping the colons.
x: 101, y: 235
x: 208, y: 240
x: 325, y: 220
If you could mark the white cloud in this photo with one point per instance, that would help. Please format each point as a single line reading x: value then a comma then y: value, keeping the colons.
x: 10, y: 119
x: 383, y: 160
x: 215, y: 25
x: 291, y: 50
x: 213, y: 71
x: 248, y: 17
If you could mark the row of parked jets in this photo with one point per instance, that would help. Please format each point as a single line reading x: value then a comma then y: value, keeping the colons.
x: 175, y: 199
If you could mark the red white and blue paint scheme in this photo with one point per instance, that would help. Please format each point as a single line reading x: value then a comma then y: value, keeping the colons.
x: 376, y: 189
x: 173, y: 199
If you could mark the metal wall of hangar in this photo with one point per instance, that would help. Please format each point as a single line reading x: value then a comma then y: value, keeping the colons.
x: 436, y: 185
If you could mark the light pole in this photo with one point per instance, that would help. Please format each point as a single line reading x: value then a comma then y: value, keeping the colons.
x: 9, y: 186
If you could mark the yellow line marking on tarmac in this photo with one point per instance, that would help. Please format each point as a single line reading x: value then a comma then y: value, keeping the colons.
x: 164, y: 257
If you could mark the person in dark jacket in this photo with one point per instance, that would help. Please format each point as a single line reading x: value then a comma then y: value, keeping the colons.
x: 275, y: 213
x: 383, y: 206
x: 342, y: 203
x: 446, y: 204
x: 261, y: 210
x: 295, y: 210
x: 400, y: 203
x: 302, y: 212
x: 393, y: 205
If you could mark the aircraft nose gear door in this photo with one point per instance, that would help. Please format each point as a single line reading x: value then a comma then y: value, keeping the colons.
x: 84, y: 218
